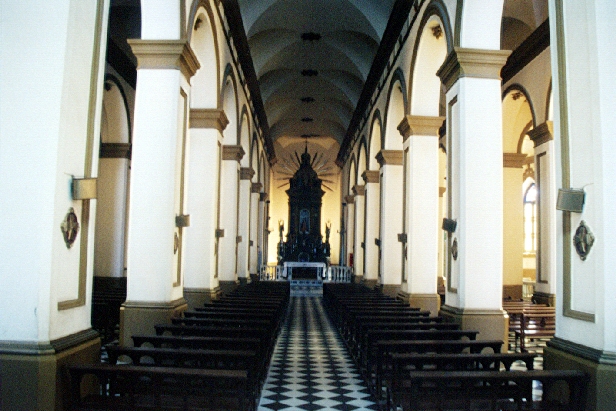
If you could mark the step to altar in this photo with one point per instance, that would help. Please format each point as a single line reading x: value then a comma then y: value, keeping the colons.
x: 306, y: 288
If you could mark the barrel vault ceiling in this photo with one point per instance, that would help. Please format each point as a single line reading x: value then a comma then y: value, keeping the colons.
x: 311, y: 60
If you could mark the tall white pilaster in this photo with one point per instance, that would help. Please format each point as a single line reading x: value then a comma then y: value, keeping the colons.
x: 255, y: 225
x: 513, y: 224
x: 200, y: 279
x: 243, y: 252
x: 545, y: 284
x: 359, y: 192
x: 420, y: 139
x: 229, y: 210
x: 371, y: 227
x: 350, y: 228
x: 475, y: 189
x: 390, y: 219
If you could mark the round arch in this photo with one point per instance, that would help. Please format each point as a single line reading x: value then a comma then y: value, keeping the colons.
x: 376, y: 143
x: 430, y: 50
x: 352, y: 174
x: 230, y: 106
x: 362, y: 157
x: 397, y: 106
x: 518, y: 118
x: 244, y: 136
x: 115, y: 121
x: 204, y: 42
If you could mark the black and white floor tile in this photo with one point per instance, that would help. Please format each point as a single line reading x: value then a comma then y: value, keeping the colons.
x: 310, y: 368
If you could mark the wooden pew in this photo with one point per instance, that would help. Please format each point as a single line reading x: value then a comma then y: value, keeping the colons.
x: 205, y: 343
x: 535, y: 325
x: 492, y: 390
x: 396, y: 385
x: 128, y: 387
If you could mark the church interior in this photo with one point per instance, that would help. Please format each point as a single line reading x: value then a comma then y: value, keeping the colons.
x: 312, y: 184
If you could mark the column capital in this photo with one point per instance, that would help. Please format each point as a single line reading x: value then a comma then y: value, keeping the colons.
x: 263, y: 196
x: 208, y: 118
x: 350, y: 199
x: 542, y: 133
x: 371, y: 176
x: 390, y: 157
x: 165, y: 54
x: 233, y: 153
x: 420, y: 126
x: 246, y: 173
x: 256, y: 188
x: 359, y: 190
x: 476, y: 63
x: 514, y: 160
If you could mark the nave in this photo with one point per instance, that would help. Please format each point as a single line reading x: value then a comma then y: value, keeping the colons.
x: 311, y: 368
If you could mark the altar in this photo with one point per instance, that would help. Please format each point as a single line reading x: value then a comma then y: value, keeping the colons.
x: 293, y: 270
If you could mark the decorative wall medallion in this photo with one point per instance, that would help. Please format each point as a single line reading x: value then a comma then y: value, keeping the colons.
x: 70, y: 228
x: 583, y: 240
x: 454, y: 249
x: 176, y: 243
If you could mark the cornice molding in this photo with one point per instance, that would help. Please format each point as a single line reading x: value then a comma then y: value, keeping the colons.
x: 349, y: 199
x: 233, y: 153
x: 359, y: 190
x: 514, y: 160
x: 475, y: 63
x: 165, y: 54
x: 246, y: 173
x: 390, y: 157
x: 371, y: 176
x: 542, y: 133
x: 208, y: 118
x: 256, y: 188
x: 420, y: 126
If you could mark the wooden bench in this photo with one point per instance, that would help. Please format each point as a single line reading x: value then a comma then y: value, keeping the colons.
x: 535, y: 325
x: 491, y: 390
x: 395, y: 384
x: 205, y: 343
x: 129, y: 387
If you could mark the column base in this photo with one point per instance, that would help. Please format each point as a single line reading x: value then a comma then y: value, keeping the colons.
x: 491, y: 324
x: 391, y: 290
x: 426, y: 302
x: 544, y: 298
x: 358, y: 279
x: 140, y: 317
x: 600, y: 366
x: 34, y: 376
x: 369, y: 283
x: 227, y: 287
x: 196, y: 297
x: 244, y: 280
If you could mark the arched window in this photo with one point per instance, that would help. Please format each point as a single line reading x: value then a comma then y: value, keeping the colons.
x: 530, y: 219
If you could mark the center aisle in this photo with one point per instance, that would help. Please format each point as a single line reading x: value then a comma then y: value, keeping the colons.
x: 310, y: 367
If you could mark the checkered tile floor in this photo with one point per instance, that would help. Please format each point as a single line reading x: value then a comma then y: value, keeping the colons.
x: 310, y: 368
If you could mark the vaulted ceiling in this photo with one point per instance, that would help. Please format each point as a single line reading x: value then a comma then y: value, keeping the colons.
x: 311, y: 60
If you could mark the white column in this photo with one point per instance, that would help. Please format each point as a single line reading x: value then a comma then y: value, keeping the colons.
x: 255, y: 189
x: 545, y: 285
x: 350, y: 227
x: 261, y: 234
x: 229, y: 201
x: 513, y: 224
x: 154, y: 272
x: 475, y: 187
x: 390, y: 218
x: 358, y: 251
x: 371, y: 227
x: 200, y: 280
x: 420, y: 135
x: 243, y: 252
x: 50, y: 109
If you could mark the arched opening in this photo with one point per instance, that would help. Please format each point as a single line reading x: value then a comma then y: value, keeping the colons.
x: 518, y: 167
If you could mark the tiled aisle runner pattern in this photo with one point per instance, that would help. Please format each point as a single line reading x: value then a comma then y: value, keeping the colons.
x: 310, y: 368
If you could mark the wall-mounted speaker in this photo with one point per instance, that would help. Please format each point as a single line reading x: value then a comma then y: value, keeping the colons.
x: 449, y: 225
x: 570, y: 200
